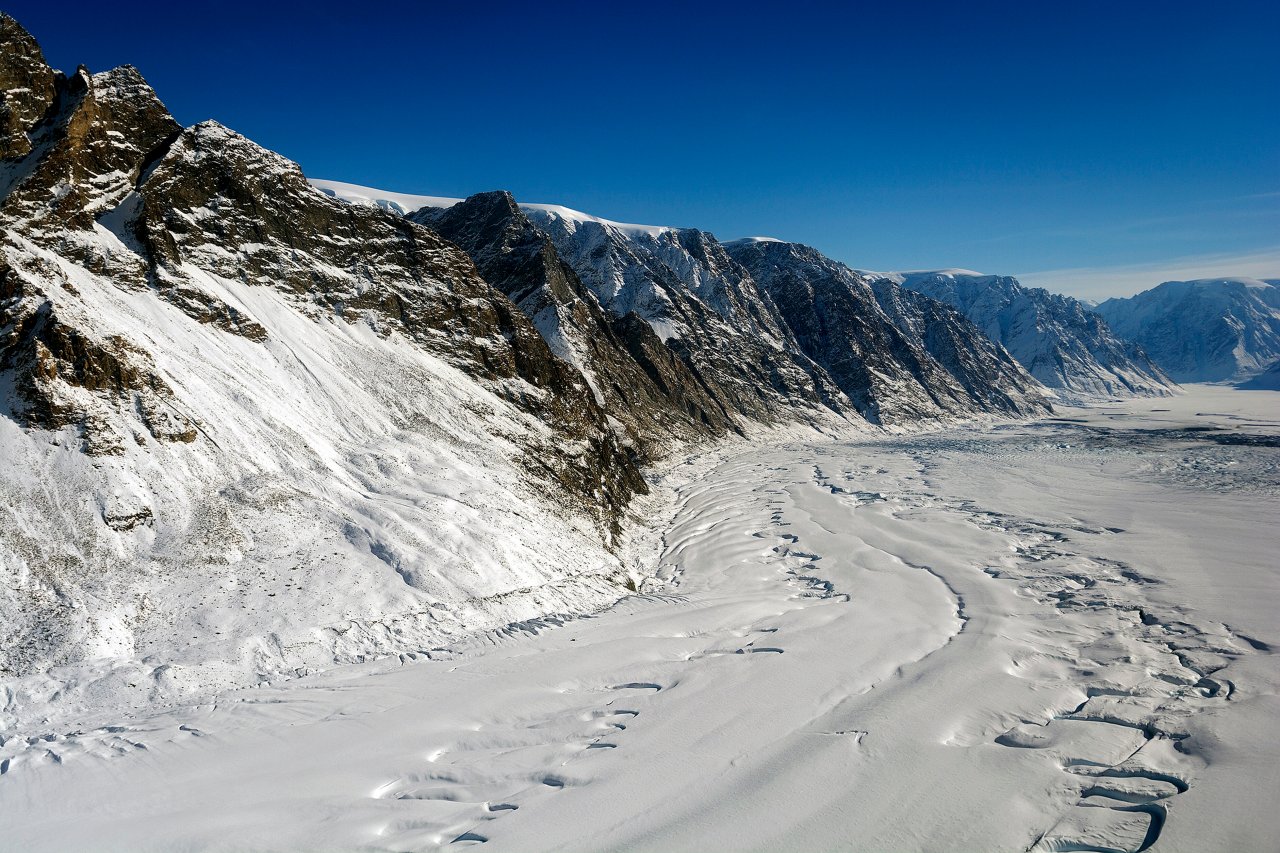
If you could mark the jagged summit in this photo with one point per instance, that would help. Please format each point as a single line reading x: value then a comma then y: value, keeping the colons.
x: 897, y: 355
x: 28, y: 87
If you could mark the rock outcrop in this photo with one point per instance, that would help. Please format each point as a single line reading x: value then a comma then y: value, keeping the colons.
x: 901, y: 358
x: 656, y: 397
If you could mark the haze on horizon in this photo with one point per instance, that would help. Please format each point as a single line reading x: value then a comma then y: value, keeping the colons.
x: 1087, y: 150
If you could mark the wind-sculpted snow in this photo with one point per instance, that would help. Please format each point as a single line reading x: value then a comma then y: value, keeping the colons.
x: 1078, y: 657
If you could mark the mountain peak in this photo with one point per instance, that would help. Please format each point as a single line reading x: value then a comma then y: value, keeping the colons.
x: 1203, y: 330
x: 27, y: 88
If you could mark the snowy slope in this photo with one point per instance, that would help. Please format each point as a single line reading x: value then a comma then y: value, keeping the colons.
x: 249, y: 430
x: 1059, y: 340
x: 1203, y: 330
x: 343, y: 500
x: 1267, y: 380
x: 1054, y: 636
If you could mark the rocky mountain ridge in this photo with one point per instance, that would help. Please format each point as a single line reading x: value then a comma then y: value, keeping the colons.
x: 1059, y: 340
x: 1205, y: 330
x: 896, y: 354
x: 250, y: 429
x: 730, y: 330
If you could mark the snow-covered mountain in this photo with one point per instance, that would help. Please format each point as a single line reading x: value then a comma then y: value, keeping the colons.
x: 1203, y: 330
x: 250, y: 429
x: 1267, y: 380
x: 740, y: 359
x: 1058, y: 339
x: 897, y: 381
x: 892, y: 351
x: 731, y: 332
x: 640, y: 381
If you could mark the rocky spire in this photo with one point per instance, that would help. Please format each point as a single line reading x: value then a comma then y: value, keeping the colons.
x: 73, y: 146
x: 26, y: 88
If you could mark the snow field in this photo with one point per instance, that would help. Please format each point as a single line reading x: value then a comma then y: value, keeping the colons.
x: 1018, y: 638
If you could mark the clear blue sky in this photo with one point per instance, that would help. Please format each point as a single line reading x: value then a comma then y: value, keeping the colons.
x: 1016, y: 138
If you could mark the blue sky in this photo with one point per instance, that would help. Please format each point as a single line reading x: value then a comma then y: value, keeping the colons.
x: 1091, y: 147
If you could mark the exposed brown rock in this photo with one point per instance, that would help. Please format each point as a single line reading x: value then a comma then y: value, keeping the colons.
x: 219, y: 202
x: 54, y: 363
x: 639, y: 381
x: 86, y: 158
x: 26, y: 88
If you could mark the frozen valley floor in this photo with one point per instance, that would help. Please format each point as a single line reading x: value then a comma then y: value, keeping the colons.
x: 1046, y: 636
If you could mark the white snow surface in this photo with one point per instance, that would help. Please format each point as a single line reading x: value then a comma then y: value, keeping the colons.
x: 1050, y: 636
x: 350, y: 496
x: 900, y: 277
x: 401, y: 203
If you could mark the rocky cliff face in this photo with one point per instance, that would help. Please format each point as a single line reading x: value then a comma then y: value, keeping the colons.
x: 212, y: 201
x: 1206, y: 330
x: 900, y: 357
x: 653, y: 394
x: 1060, y: 342
x: 27, y: 89
x: 908, y: 362
x: 704, y: 307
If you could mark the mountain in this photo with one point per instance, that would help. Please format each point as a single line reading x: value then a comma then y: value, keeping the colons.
x: 883, y: 373
x: 632, y: 374
x: 703, y: 307
x: 1058, y: 339
x: 711, y: 311
x: 895, y: 353
x: 1204, y: 330
x: 1267, y: 380
x: 249, y: 429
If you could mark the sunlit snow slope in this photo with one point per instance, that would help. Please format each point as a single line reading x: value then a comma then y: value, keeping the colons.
x: 1046, y: 637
